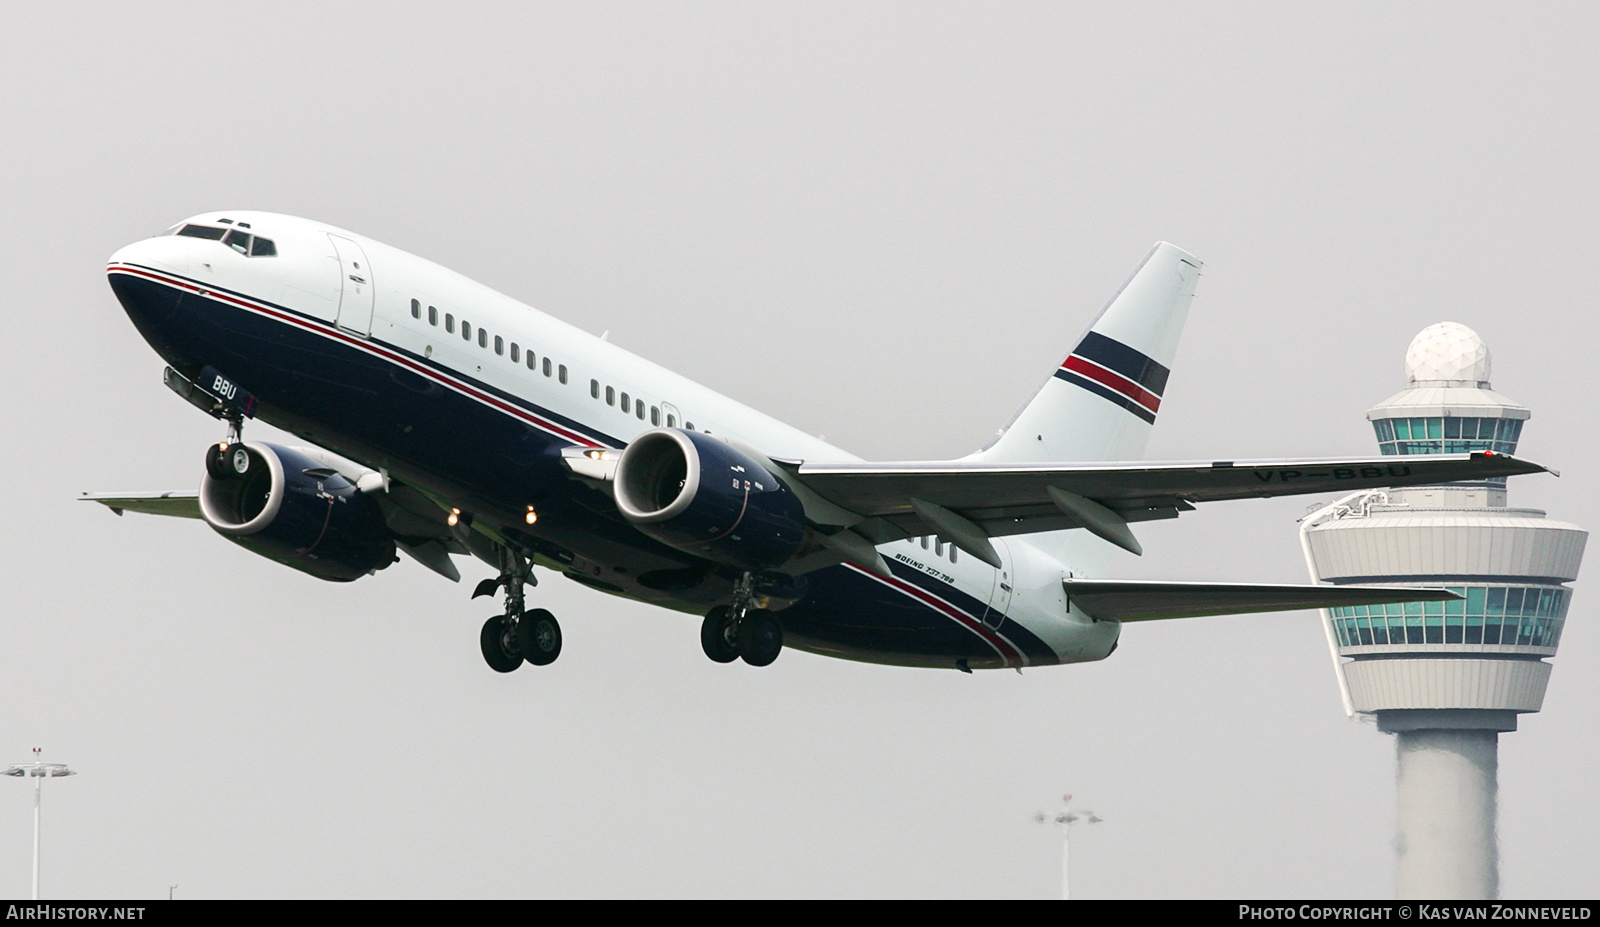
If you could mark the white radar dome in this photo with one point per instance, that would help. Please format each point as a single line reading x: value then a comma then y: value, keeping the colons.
x: 1447, y: 354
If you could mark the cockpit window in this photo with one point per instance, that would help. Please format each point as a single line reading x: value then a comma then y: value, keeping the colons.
x: 242, y: 242
x: 203, y: 231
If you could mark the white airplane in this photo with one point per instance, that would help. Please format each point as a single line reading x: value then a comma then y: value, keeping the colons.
x: 446, y: 418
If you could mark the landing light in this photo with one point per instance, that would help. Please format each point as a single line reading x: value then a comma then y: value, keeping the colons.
x: 532, y: 516
x: 455, y: 516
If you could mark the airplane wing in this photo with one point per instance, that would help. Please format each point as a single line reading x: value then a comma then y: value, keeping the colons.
x: 183, y: 504
x: 423, y: 539
x: 1145, y: 600
x: 967, y: 502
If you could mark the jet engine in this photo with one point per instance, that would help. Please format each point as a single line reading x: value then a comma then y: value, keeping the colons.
x: 703, y: 496
x: 287, y: 507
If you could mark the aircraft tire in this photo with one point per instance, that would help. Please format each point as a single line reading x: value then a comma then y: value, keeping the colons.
x: 539, y: 634
x: 494, y: 644
x: 714, y: 636
x: 217, y: 462
x: 760, y: 638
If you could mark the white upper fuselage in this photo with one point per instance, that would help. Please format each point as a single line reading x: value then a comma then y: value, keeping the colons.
x: 306, y: 276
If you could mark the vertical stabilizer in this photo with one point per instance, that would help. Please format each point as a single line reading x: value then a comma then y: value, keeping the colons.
x: 1101, y: 402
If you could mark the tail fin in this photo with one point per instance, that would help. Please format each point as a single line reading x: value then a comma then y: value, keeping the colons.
x: 1102, y: 401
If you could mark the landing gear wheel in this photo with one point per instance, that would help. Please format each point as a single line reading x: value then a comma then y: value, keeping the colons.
x: 238, y: 459
x: 716, y: 637
x: 217, y: 462
x: 539, y: 636
x: 760, y: 638
x: 499, y: 645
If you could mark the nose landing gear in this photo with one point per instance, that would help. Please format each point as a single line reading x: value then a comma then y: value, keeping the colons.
x: 510, y: 639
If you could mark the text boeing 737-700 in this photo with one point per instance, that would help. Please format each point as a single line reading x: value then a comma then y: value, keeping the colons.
x: 444, y: 418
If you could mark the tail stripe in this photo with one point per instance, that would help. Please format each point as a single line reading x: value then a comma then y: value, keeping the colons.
x: 1114, y: 355
x: 1109, y: 394
x: 1116, y: 372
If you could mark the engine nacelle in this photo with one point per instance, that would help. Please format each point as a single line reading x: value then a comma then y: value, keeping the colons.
x: 287, y: 507
x: 701, y: 495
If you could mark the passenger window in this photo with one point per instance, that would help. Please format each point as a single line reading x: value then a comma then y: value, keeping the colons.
x: 499, y: 345
x: 655, y: 415
x: 638, y: 408
x: 952, y: 553
x: 433, y: 316
x: 450, y: 323
x: 924, y: 540
x: 516, y: 354
x: 531, y: 365
x: 238, y: 241
x: 561, y: 374
x: 689, y: 425
x: 416, y: 309
x: 594, y: 389
x: 263, y: 247
x: 466, y: 330
x: 483, y: 338
x: 672, y: 420
x: 611, y: 396
x: 547, y: 366
x: 627, y: 404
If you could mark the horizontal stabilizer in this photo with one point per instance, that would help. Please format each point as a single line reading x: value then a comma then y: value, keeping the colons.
x: 1147, y: 600
x: 184, y: 504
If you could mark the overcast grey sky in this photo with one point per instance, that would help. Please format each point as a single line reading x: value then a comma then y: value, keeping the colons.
x: 882, y: 222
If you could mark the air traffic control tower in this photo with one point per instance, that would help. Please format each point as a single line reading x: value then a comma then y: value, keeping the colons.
x: 1446, y: 678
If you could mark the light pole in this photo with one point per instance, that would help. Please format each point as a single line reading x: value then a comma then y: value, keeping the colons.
x: 1064, y: 819
x: 39, y: 771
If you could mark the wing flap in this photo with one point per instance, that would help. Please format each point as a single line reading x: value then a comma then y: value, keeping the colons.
x: 1146, y: 600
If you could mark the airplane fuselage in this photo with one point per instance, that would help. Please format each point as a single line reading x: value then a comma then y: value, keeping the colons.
x: 471, y: 397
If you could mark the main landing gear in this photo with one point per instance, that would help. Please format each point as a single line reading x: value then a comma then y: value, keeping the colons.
x: 741, y: 631
x: 518, y: 635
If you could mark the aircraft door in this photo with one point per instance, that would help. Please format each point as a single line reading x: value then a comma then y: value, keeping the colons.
x: 1005, y: 579
x: 670, y: 416
x: 355, y: 287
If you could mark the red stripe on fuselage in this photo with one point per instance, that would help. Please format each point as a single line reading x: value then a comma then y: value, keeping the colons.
x: 1113, y: 380
x: 1007, y: 650
x: 362, y: 344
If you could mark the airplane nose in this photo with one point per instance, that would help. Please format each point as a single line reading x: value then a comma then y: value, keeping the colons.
x: 167, y: 252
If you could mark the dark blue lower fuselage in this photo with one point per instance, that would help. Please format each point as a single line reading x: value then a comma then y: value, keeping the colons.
x: 492, y: 453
